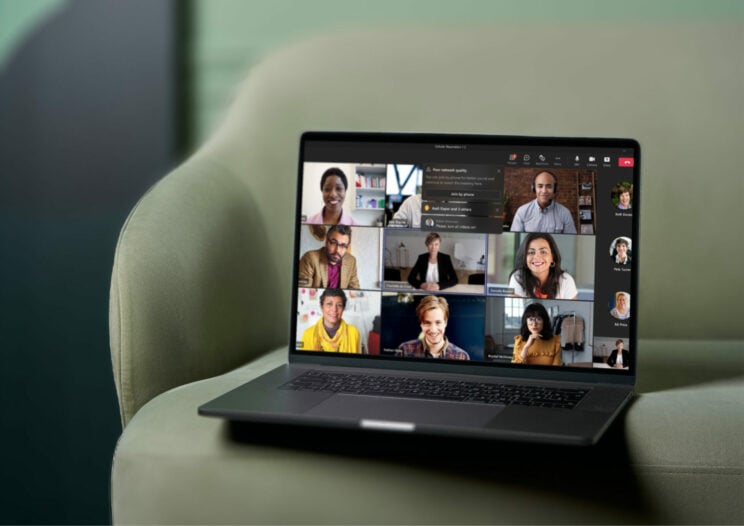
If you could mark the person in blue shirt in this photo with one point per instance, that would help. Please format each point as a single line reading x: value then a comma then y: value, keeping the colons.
x: 544, y: 213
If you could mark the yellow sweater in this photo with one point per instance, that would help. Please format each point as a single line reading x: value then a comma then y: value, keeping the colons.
x: 541, y: 352
x: 315, y: 338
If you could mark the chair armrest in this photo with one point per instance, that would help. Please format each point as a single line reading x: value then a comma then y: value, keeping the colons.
x: 193, y: 289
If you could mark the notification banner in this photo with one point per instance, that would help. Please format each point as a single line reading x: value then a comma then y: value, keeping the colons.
x: 468, y: 208
x: 491, y: 225
x: 462, y: 198
x: 472, y: 182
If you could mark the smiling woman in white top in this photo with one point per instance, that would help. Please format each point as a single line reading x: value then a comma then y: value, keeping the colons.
x: 538, y: 272
x: 621, y: 310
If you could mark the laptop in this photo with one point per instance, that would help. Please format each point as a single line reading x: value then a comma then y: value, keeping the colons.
x: 458, y: 286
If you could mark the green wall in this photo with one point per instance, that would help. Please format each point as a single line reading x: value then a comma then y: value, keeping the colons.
x: 19, y: 18
x: 231, y: 35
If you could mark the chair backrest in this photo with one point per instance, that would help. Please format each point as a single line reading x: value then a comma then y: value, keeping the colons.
x: 391, y: 274
x: 202, y: 267
x: 478, y: 278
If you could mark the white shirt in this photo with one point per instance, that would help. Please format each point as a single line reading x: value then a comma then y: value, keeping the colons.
x: 432, y: 273
x: 620, y: 262
x: 409, y: 213
x: 566, y: 287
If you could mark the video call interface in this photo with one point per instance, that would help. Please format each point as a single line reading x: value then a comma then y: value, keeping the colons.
x: 512, y: 255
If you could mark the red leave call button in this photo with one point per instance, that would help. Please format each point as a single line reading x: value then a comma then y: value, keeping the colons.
x: 626, y: 162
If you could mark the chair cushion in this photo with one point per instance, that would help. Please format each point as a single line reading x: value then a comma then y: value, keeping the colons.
x: 172, y: 465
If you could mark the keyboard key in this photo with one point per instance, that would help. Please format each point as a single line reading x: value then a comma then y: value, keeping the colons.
x: 429, y: 389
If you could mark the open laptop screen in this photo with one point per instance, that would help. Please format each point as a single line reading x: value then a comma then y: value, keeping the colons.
x: 510, y: 251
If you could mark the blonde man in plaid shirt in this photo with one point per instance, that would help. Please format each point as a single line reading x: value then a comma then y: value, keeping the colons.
x: 433, y: 313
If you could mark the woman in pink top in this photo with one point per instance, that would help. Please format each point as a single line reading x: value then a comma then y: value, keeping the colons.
x: 333, y: 185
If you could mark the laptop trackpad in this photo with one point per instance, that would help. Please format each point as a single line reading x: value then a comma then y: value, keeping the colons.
x: 405, y: 410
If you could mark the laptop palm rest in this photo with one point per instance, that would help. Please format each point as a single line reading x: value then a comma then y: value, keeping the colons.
x: 402, y: 413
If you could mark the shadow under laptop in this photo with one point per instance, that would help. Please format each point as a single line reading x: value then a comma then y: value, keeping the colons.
x: 599, y: 478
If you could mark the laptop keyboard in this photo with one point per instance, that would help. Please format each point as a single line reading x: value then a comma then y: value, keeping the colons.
x: 429, y: 389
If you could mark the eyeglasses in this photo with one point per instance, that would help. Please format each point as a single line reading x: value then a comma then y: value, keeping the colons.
x: 335, y: 243
x: 534, y: 320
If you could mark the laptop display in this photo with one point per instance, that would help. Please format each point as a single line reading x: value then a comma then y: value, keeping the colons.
x: 505, y: 254
x: 458, y: 285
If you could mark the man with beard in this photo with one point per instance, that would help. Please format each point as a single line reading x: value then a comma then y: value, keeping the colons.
x: 544, y: 213
x: 330, y: 266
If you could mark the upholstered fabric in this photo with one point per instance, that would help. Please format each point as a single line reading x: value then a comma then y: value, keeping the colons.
x: 674, y: 457
x: 186, y: 279
x: 201, y: 282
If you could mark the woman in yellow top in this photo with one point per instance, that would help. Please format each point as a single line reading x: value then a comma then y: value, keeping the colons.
x: 536, y: 344
x: 331, y: 333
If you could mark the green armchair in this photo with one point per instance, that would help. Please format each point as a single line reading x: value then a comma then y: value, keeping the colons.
x: 201, y: 280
